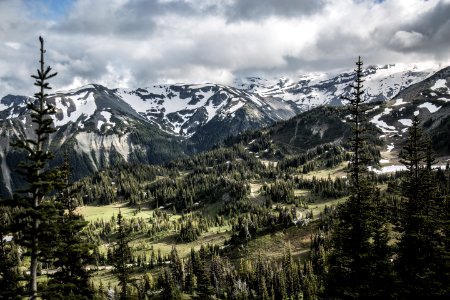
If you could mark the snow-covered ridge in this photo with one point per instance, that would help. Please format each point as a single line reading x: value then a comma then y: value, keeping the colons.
x: 381, y: 83
x: 181, y: 109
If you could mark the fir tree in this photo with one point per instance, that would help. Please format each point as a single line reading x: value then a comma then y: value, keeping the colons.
x: 350, y: 275
x: 35, y: 222
x: 122, y: 256
x: 73, y: 253
x: 421, y: 248
x: 9, y: 260
x: 177, y: 268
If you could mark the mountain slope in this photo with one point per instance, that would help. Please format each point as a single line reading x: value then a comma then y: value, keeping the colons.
x: 430, y: 101
x: 184, y: 109
x: 311, y: 90
x: 100, y: 127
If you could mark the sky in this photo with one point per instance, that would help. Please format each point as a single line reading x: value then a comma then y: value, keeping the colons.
x: 139, y: 43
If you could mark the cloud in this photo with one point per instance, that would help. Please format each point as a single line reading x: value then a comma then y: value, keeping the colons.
x: 404, y: 40
x: 245, y: 10
x: 434, y: 27
x: 134, y: 43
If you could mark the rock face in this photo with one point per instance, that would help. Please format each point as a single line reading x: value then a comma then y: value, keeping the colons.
x: 100, y: 127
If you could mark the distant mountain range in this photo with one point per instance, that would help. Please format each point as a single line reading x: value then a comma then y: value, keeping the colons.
x: 99, y: 126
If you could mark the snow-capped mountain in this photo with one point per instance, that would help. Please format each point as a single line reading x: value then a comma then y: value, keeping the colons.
x: 101, y: 126
x: 183, y: 109
x: 428, y: 99
x: 310, y: 90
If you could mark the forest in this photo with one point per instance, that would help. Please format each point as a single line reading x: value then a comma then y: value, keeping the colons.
x: 202, y: 227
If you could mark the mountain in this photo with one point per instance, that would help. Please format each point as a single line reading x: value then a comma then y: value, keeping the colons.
x: 428, y: 99
x: 205, y: 114
x: 315, y: 89
x: 98, y: 126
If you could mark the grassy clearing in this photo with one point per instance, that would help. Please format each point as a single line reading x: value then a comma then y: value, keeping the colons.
x: 302, y: 193
x: 337, y: 172
x: 164, y: 241
x: 273, y: 245
x: 318, y: 206
x: 105, y: 212
x: 214, y: 237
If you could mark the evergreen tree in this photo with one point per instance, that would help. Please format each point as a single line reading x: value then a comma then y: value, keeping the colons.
x: 170, y: 290
x: 351, y: 271
x: 122, y: 256
x: 36, y: 222
x: 73, y: 253
x: 9, y: 260
x: 421, y: 250
x: 177, y: 268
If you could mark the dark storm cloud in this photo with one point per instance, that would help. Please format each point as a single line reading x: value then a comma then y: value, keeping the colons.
x: 429, y: 34
x: 133, y: 19
x: 245, y: 10
x: 435, y: 21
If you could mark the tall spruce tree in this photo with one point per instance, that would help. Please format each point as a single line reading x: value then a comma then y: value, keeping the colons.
x: 36, y: 223
x: 351, y: 265
x: 122, y: 256
x: 73, y: 252
x: 9, y: 259
x: 421, y: 250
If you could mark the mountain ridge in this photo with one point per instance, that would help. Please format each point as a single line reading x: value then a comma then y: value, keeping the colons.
x: 101, y: 127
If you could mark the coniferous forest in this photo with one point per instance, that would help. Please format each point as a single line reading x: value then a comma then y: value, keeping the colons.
x: 253, y: 218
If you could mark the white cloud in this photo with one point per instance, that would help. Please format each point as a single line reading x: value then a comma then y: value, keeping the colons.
x: 136, y: 43
x: 13, y: 45
x: 404, y: 40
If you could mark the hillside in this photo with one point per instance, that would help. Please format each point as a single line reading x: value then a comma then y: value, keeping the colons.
x: 263, y: 202
x: 99, y: 127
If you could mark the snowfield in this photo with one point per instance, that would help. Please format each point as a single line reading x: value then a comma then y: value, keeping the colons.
x: 406, y: 122
x: 431, y: 107
x: 439, y: 84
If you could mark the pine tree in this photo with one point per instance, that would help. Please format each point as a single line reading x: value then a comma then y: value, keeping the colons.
x: 122, y: 256
x: 9, y: 260
x: 35, y: 222
x: 73, y: 253
x: 420, y: 250
x: 177, y: 269
x: 170, y: 291
x: 351, y: 270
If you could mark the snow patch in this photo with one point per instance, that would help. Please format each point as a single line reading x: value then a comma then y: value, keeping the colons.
x: 390, y: 147
x: 381, y: 124
x: 439, y: 84
x: 107, y: 116
x: 83, y: 106
x: 431, y: 107
x: 397, y: 168
x: 399, y: 102
x: 406, y: 122
x: 235, y: 107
